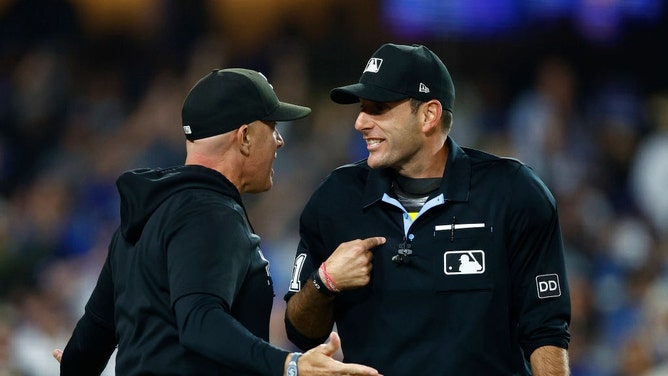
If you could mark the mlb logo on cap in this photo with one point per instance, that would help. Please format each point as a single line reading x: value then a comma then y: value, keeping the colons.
x: 373, y: 65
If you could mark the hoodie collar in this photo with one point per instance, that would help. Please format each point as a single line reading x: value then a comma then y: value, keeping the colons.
x: 143, y: 190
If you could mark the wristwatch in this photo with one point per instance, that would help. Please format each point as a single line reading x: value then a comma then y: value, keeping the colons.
x: 292, y: 365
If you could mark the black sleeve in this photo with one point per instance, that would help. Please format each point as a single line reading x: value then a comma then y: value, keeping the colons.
x: 89, y: 349
x: 538, y: 254
x: 301, y: 341
x: 94, y: 339
x: 305, y: 264
x: 208, y: 329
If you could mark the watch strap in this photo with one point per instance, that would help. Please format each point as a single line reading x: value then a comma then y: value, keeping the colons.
x: 293, y: 370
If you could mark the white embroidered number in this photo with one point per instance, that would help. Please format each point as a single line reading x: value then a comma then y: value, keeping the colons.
x: 295, y: 283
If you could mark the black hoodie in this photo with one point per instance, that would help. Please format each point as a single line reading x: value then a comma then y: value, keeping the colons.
x: 185, y: 289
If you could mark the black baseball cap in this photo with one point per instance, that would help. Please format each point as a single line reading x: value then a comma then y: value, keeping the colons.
x: 395, y: 72
x: 225, y: 99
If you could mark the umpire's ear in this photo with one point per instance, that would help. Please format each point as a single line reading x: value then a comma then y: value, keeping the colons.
x: 429, y: 115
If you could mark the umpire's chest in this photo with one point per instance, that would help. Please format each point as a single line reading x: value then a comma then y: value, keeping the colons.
x: 447, y: 247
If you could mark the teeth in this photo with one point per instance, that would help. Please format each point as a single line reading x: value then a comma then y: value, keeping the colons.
x: 372, y: 142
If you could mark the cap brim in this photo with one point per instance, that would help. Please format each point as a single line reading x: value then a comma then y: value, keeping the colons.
x: 287, y: 112
x: 352, y: 94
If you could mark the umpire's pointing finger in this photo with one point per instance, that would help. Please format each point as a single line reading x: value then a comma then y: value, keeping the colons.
x: 373, y: 242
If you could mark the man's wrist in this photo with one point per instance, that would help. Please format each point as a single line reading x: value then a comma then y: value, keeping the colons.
x: 329, y: 281
x: 293, y: 369
x: 320, y: 285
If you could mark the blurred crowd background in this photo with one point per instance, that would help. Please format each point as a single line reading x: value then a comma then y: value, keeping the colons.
x: 577, y: 89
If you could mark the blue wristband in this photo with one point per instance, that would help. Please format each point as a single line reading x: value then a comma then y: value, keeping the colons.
x: 292, y: 365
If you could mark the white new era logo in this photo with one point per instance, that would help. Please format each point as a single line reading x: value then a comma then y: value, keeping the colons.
x: 187, y: 130
x: 265, y: 78
x: 423, y: 88
x: 373, y: 65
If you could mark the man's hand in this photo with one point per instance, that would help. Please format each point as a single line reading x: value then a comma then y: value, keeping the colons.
x: 57, y: 354
x: 318, y: 361
x: 350, y: 263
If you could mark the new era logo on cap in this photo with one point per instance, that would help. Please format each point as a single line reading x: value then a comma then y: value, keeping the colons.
x: 423, y: 88
x: 187, y: 130
x: 373, y: 65
x: 266, y: 79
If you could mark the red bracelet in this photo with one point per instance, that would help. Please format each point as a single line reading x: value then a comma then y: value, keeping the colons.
x: 329, y: 281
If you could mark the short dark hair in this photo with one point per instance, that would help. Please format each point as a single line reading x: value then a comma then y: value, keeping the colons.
x: 446, y: 119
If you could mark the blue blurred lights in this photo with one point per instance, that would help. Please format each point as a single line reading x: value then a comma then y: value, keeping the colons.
x: 597, y: 20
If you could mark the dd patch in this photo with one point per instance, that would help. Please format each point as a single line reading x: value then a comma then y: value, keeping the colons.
x: 548, y: 286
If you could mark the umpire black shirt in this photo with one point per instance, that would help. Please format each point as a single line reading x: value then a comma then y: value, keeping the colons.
x: 484, y: 286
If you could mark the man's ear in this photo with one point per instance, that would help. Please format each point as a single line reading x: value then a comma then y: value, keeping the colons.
x: 431, y: 113
x: 243, y: 139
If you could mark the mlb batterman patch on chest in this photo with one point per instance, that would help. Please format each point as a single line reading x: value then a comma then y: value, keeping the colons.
x: 464, y: 262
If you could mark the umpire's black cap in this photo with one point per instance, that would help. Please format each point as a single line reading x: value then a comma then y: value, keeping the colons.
x: 396, y: 72
x: 225, y: 99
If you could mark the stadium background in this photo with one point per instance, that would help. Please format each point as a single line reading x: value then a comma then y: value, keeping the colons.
x: 578, y: 89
